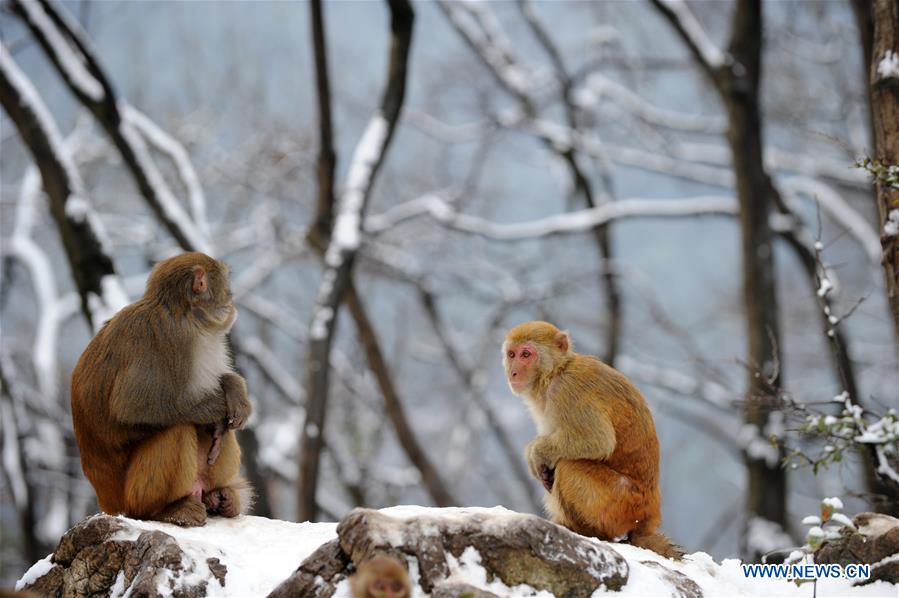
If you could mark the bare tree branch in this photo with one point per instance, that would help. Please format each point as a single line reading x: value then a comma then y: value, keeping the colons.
x: 68, y: 49
x: 337, y: 285
x: 82, y: 234
x: 327, y: 160
x: 480, y: 29
x: 467, y: 375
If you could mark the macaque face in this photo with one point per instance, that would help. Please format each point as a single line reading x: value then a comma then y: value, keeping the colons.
x: 520, y: 362
x: 387, y: 587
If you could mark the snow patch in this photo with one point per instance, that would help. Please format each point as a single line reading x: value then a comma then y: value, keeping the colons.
x: 347, y: 224
x: 467, y: 569
x: 891, y: 226
x: 259, y: 553
x: 764, y: 536
x: 888, y: 67
x: 39, y: 569
x: 834, y: 503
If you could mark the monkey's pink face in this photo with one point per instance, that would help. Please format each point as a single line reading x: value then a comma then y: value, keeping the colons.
x: 520, y: 362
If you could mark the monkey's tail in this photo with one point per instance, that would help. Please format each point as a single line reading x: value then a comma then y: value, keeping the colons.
x: 660, y: 544
x: 247, y: 494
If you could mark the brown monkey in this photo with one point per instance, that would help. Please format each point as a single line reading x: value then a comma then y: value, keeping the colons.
x: 596, y: 451
x: 381, y: 577
x: 155, y: 400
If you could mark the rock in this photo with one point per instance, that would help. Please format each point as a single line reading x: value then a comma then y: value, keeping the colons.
x: 460, y: 590
x: 876, y: 543
x: 514, y: 548
x: 329, y: 564
x: 95, y: 558
x: 682, y: 586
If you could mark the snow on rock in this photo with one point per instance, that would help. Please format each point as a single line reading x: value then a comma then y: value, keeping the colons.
x: 873, y: 538
x: 245, y: 556
x: 449, y: 551
x: 479, y: 547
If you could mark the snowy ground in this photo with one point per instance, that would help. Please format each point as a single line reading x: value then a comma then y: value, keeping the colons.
x: 260, y: 553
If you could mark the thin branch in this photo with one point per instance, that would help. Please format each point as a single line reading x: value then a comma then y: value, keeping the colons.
x: 468, y: 374
x: 14, y: 464
x: 431, y: 479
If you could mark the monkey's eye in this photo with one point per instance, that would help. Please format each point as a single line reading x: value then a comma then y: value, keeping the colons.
x: 511, y: 354
x: 525, y: 353
x: 396, y: 586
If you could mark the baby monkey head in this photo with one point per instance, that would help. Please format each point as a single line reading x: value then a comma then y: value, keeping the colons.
x: 531, y: 352
x: 195, y: 286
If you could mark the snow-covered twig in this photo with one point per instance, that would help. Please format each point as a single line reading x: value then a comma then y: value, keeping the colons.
x: 73, y: 63
x: 479, y: 28
x: 596, y: 86
x: 571, y: 222
x: 704, y: 49
x: 840, y: 210
x: 173, y: 148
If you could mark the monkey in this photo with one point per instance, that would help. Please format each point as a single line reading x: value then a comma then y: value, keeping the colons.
x: 156, y: 402
x: 381, y: 577
x: 596, y: 451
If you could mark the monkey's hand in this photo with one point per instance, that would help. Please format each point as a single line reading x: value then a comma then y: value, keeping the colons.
x: 234, y: 388
x: 540, y: 456
x: 548, y: 477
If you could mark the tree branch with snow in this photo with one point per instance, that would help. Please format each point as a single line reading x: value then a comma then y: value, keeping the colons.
x: 81, y: 231
x: 336, y: 285
x: 66, y: 45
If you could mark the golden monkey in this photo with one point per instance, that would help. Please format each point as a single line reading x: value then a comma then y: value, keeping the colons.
x: 155, y: 400
x: 596, y: 451
x: 381, y: 577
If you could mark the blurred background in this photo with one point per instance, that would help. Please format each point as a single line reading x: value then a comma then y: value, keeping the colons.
x: 571, y: 162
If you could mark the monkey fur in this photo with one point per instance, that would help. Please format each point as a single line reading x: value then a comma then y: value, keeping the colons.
x: 596, y: 453
x: 155, y: 400
x: 381, y: 577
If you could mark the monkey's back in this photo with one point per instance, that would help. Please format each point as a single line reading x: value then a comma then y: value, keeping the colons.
x: 618, y: 495
x: 105, y: 443
x: 636, y: 453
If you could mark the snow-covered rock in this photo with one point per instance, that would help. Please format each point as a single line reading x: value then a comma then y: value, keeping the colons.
x: 449, y: 552
x: 873, y: 539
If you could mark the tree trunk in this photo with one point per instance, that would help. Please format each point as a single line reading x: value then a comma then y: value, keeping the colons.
x: 739, y: 87
x: 884, y: 77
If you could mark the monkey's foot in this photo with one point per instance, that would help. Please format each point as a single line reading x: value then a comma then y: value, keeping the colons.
x: 186, y: 512
x: 547, y: 477
x: 222, y: 501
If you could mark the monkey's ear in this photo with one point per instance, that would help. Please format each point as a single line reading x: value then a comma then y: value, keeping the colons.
x: 562, y: 341
x: 201, y: 283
